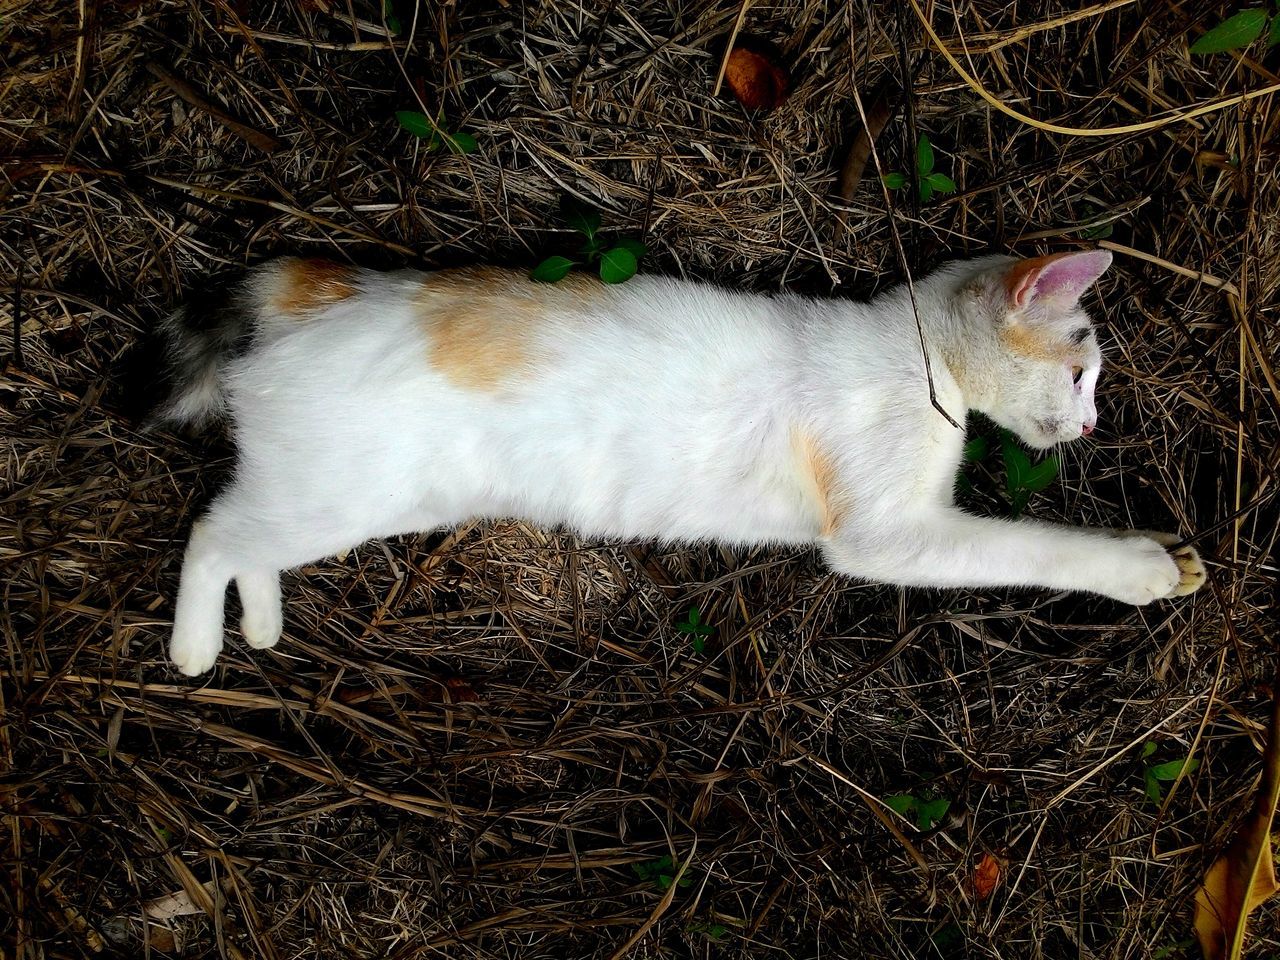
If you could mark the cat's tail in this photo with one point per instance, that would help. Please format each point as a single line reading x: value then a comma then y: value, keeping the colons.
x: 198, y: 340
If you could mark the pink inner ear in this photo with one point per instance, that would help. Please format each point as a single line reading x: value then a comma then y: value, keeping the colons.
x: 1061, y: 276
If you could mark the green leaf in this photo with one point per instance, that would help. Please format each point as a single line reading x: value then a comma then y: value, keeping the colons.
x: 924, y: 156
x: 1016, y: 466
x: 390, y: 18
x: 461, y: 142
x: 1018, y: 502
x: 941, y: 183
x: 1151, y: 787
x: 975, y: 449
x: 638, y: 249
x: 419, y: 124
x: 664, y: 881
x: 717, y: 931
x: 1103, y: 230
x: 926, y: 191
x: 929, y: 812
x: 686, y: 880
x: 1233, y: 32
x: 1273, y: 35
x: 903, y: 803
x: 895, y: 181
x: 580, y: 217
x: 1041, y: 475
x: 695, y: 616
x: 552, y: 269
x: 1170, y: 771
x: 617, y: 265
x: 1148, y: 749
x: 1178, y: 949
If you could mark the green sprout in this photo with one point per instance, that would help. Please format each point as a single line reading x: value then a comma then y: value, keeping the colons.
x: 423, y: 127
x: 926, y: 180
x: 661, y: 873
x: 1153, y: 775
x: 925, y: 811
x: 616, y: 262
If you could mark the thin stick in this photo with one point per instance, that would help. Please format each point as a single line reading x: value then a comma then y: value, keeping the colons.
x: 728, y: 50
x: 1155, y: 123
x: 255, y: 138
x: 16, y: 358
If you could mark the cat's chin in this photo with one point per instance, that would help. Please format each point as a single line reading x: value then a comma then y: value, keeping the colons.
x: 1042, y: 439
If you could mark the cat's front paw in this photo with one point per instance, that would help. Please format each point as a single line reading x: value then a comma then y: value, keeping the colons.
x: 195, y: 651
x: 1145, y: 569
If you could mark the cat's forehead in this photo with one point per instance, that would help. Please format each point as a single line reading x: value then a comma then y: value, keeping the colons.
x: 1068, y: 340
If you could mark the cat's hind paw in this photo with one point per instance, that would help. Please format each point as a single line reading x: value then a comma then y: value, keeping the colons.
x: 261, y: 627
x: 195, y: 652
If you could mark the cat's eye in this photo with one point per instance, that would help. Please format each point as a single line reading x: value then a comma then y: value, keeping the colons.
x: 1076, y: 374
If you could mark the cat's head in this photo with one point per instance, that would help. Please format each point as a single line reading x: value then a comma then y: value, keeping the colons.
x: 1036, y: 373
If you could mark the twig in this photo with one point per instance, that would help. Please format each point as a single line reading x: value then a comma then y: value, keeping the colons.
x: 883, y: 107
x: 256, y: 138
x: 728, y: 49
x: 1154, y: 123
x: 16, y: 357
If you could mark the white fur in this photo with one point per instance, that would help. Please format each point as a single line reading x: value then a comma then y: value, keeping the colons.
x: 657, y: 409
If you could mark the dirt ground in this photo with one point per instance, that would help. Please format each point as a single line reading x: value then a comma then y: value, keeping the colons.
x: 499, y: 741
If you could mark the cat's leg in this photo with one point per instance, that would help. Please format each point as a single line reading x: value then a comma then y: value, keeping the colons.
x: 261, y: 620
x: 202, y: 588
x: 947, y: 548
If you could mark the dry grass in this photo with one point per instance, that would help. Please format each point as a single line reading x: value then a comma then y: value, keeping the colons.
x: 466, y: 743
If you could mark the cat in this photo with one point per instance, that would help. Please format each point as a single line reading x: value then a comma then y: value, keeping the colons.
x: 367, y: 404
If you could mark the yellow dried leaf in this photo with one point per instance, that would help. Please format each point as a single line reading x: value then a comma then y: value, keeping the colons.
x: 1245, y: 875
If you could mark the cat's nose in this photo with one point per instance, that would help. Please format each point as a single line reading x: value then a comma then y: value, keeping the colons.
x: 1088, y: 429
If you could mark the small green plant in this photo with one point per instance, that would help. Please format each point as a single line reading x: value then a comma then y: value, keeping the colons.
x: 1094, y: 230
x: 712, y: 931
x: 617, y: 262
x: 1178, y: 949
x: 926, y: 181
x: 926, y: 811
x: 1240, y: 30
x: 433, y: 131
x: 697, y: 630
x: 1155, y: 774
x: 390, y: 19
x: 1022, y: 477
x: 661, y: 873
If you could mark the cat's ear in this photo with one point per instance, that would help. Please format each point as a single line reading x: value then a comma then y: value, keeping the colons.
x: 1061, y: 277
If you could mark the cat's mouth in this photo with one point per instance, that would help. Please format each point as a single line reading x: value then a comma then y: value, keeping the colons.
x: 1050, y: 433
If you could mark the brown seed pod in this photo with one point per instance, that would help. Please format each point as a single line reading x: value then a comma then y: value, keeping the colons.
x: 757, y: 74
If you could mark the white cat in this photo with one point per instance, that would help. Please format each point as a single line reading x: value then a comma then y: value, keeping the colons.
x: 367, y: 404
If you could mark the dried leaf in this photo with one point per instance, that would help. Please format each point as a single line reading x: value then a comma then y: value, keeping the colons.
x: 756, y: 75
x: 1245, y: 875
x: 986, y: 876
x: 171, y: 905
x: 460, y: 691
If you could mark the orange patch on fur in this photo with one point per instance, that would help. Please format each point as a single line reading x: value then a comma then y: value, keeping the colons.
x: 307, y: 285
x: 822, y: 476
x: 483, y: 322
x: 1027, y: 341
